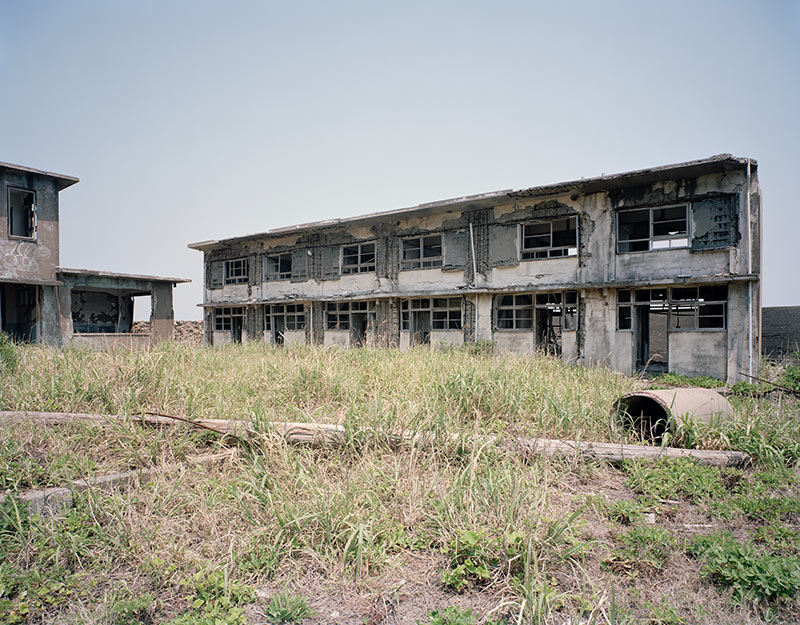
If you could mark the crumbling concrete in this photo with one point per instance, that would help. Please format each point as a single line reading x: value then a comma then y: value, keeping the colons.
x: 545, y: 268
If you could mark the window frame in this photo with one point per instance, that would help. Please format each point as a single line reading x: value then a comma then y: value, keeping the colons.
x: 673, y: 305
x: 652, y: 239
x: 33, y: 217
x: 451, y: 312
x: 430, y: 262
x: 276, y: 276
x: 294, y: 315
x: 242, y: 275
x: 223, y: 321
x: 361, y: 266
x: 567, y: 301
x: 549, y: 251
x: 337, y: 314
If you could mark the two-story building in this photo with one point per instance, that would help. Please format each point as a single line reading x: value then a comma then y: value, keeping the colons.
x: 651, y: 270
x: 41, y: 302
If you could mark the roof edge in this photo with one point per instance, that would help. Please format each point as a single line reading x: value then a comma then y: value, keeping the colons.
x: 590, y: 185
x: 111, y: 274
x: 66, y: 181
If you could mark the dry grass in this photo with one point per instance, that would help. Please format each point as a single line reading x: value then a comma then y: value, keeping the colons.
x: 365, y: 532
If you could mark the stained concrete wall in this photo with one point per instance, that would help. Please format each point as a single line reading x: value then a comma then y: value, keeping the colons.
x: 699, y: 352
x: 34, y: 260
x: 492, y: 247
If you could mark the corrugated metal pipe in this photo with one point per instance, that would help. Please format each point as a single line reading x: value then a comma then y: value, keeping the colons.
x: 651, y: 414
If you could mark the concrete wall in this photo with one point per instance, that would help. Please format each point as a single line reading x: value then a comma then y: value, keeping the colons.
x: 781, y: 331
x: 699, y: 352
x: 37, y: 259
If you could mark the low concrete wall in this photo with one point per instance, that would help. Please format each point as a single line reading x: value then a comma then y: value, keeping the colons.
x: 111, y: 341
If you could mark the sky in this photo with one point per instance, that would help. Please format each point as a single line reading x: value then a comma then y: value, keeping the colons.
x: 196, y: 120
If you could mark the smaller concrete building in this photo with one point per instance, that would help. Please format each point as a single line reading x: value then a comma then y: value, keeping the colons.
x: 41, y: 302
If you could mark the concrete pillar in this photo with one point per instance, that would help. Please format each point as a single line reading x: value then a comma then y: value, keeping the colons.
x: 162, y: 317
x: 49, y: 325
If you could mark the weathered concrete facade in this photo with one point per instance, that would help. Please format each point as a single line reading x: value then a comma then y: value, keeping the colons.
x: 781, y: 331
x: 41, y: 302
x: 651, y: 270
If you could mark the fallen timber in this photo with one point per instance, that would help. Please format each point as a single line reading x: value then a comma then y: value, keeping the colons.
x: 332, y: 435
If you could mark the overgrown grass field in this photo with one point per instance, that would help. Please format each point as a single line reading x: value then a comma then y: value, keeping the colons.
x: 459, y: 532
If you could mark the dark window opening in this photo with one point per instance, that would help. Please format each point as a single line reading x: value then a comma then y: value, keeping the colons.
x: 278, y: 266
x: 551, y: 239
x: 421, y: 252
x: 643, y: 229
x: 21, y: 213
x: 358, y: 258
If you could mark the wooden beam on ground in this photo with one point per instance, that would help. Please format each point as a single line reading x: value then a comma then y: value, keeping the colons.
x: 331, y: 435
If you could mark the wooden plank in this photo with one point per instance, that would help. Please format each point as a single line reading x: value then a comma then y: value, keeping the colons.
x: 331, y: 435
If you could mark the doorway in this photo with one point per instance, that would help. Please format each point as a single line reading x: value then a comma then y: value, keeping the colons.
x: 18, y: 311
x: 651, y: 337
x: 358, y: 329
x: 420, y: 327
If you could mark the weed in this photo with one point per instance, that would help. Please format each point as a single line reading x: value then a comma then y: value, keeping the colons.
x: 749, y: 574
x: 475, y: 557
x: 663, y: 614
x: 215, y: 600
x: 677, y: 379
x: 679, y: 477
x: 643, y: 548
x: 133, y: 611
x: 286, y: 607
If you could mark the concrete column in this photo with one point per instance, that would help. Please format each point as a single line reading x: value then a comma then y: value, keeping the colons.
x: 162, y: 318
x: 48, y: 316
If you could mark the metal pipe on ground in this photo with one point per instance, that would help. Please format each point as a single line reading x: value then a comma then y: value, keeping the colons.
x: 653, y: 413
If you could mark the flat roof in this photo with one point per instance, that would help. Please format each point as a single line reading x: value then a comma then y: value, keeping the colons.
x: 719, y: 162
x: 64, y: 180
x: 121, y: 276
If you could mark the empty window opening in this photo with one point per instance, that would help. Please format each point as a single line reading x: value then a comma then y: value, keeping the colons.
x: 280, y: 318
x: 236, y: 271
x: 358, y: 258
x: 18, y: 311
x: 688, y: 308
x: 230, y: 320
x: 421, y: 252
x: 21, y: 213
x: 548, y: 314
x: 357, y: 317
x: 550, y: 239
x: 142, y: 307
x: 420, y: 316
x: 643, y: 229
x: 278, y: 266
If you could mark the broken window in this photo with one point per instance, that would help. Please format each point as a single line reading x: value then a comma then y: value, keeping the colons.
x: 550, y: 239
x: 236, y: 271
x: 421, y: 252
x: 698, y: 308
x: 21, y: 213
x: 293, y: 316
x: 278, y: 266
x: 438, y: 313
x: 688, y: 308
x: 358, y: 258
x: 224, y: 317
x: 337, y: 314
x: 643, y: 229
x: 555, y: 311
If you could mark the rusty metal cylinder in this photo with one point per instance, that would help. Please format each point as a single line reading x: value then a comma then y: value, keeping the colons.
x: 653, y: 413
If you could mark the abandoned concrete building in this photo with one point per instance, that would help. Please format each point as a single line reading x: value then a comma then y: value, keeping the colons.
x: 651, y: 270
x: 41, y: 302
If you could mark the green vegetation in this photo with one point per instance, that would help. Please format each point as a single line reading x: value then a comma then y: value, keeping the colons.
x: 536, y: 540
x: 677, y: 379
x: 285, y: 607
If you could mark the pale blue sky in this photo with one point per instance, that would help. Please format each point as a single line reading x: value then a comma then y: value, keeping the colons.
x: 196, y: 120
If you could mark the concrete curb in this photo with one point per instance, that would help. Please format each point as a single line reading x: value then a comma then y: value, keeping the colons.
x: 55, y: 500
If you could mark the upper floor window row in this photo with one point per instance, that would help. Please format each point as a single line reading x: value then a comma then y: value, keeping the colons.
x: 21, y: 213
x: 549, y: 239
x: 655, y: 228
